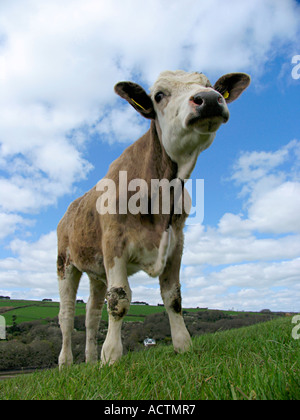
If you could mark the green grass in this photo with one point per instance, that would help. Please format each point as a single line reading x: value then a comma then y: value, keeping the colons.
x: 258, y: 362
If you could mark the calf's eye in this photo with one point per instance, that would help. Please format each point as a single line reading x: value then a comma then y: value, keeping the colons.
x: 159, y: 96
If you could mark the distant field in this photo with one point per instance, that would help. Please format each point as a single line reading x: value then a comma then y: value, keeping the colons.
x: 30, y: 310
x: 33, y: 310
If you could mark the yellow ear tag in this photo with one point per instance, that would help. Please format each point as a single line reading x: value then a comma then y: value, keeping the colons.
x: 137, y: 104
x: 226, y: 94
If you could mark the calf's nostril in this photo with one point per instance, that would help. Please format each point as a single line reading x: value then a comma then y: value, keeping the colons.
x: 198, y: 100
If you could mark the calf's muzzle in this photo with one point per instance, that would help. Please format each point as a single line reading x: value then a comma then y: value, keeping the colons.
x: 209, y: 104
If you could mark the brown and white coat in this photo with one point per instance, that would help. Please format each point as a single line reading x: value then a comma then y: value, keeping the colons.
x: 185, y: 112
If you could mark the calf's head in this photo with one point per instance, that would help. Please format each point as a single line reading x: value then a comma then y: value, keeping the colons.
x: 187, y: 110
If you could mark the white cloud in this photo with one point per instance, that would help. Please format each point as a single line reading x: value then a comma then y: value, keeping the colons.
x: 252, y: 286
x: 31, y: 271
x: 9, y: 223
x: 30, y: 188
x: 119, y: 125
x: 59, y: 62
x: 277, y: 211
x: 260, y: 250
x: 214, y: 248
x: 271, y: 191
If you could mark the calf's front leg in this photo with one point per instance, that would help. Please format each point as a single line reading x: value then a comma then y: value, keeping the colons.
x: 118, y: 303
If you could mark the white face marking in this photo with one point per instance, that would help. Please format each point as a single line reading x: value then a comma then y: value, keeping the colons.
x: 175, y: 109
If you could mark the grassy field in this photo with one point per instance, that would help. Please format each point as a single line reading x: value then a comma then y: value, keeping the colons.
x: 258, y: 362
x: 34, y: 310
x: 26, y: 310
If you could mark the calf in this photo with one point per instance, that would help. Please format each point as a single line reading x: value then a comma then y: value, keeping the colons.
x: 185, y: 112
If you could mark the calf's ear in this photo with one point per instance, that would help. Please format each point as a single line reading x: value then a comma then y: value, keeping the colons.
x: 137, y: 97
x: 232, y: 85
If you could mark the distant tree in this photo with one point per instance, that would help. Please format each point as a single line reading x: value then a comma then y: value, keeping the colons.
x: 139, y: 303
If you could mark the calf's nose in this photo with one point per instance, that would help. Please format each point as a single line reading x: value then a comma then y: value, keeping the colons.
x: 210, y: 104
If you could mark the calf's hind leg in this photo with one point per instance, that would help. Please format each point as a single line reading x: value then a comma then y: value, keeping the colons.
x: 171, y: 295
x: 93, y: 315
x: 68, y: 286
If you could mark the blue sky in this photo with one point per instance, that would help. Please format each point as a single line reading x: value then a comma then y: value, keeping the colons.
x: 61, y: 125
